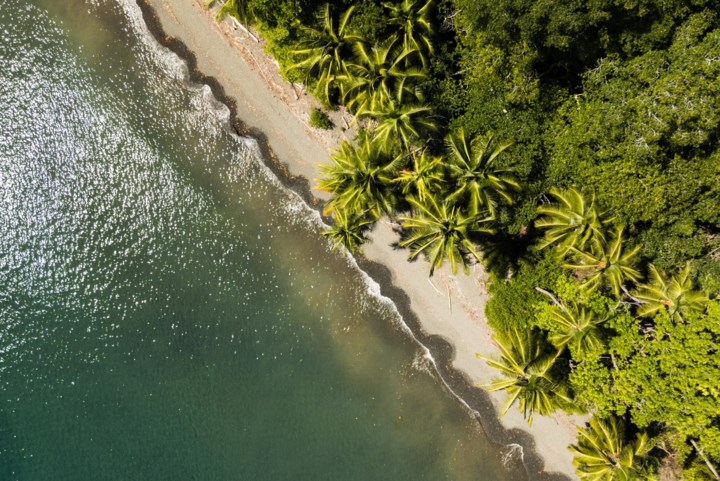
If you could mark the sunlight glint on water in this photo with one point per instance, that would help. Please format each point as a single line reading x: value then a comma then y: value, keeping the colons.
x: 167, y: 309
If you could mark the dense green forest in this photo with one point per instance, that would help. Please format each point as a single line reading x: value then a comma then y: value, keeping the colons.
x: 572, y: 147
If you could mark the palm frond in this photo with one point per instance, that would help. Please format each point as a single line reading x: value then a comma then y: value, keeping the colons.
x: 478, y: 183
x: 572, y: 221
x: 677, y: 296
x: 442, y: 232
x: 525, y: 367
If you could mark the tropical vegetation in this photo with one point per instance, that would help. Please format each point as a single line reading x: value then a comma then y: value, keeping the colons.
x: 573, y: 147
x: 602, y: 454
x: 320, y: 120
x: 442, y: 231
x: 526, y: 366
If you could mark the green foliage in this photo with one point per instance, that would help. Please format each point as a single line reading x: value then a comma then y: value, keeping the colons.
x: 276, y: 13
x: 426, y: 178
x: 443, y: 88
x: 478, y: 179
x: 696, y: 469
x: 606, y: 264
x: 274, y: 20
x: 348, y: 231
x: 672, y: 377
x: 526, y: 368
x: 676, y: 296
x: 234, y: 8
x: 324, y: 50
x: 577, y: 318
x: 512, y: 303
x: 320, y: 120
x: 572, y: 222
x: 442, y: 231
x: 575, y: 326
x: 602, y: 454
x: 591, y: 381
x: 520, y: 60
x: 571, y: 36
x: 379, y: 74
x: 709, y: 273
x: 370, y: 21
x: 482, y: 103
x: 643, y: 136
x: 411, y: 22
x: 400, y: 123
x: 360, y: 178
x: 666, y: 372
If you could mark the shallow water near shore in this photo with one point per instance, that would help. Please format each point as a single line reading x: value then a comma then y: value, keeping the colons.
x: 168, y: 310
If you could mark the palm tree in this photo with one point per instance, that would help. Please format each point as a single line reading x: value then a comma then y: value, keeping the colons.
x: 348, y: 231
x: 400, y: 121
x: 378, y: 75
x: 325, y: 50
x: 607, y: 264
x: 360, y: 177
x: 525, y: 366
x: 234, y: 8
x: 426, y: 177
x: 479, y: 180
x: 578, y: 328
x: 441, y: 231
x: 601, y: 453
x: 572, y: 221
x: 677, y: 296
x: 412, y: 21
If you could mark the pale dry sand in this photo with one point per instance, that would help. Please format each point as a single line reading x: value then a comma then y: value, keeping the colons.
x: 445, y: 305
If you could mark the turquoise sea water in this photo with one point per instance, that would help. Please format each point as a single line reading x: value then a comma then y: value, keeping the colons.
x: 168, y: 311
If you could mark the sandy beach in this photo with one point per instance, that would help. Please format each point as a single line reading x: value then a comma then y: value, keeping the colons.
x: 445, y: 312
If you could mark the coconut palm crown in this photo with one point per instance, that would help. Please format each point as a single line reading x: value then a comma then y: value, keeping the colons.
x: 324, y: 51
x: 676, y: 296
x: 442, y: 231
x: 578, y: 328
x: 602, y: 454
x: 525, y: 367
x: 412, y: 21
x: 348, y: 231
x: 360, y: 177
x: 403, y: 122
x: 607, y: 264
x: 573, y: 221
x: 379, y: 74
x: 479, y: 181
x: 235, y: 8
x: 425, y: 179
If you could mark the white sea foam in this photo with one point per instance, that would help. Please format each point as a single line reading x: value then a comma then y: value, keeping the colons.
x: 422, y: 362
x: 513, y: 450
x: 294, y: 207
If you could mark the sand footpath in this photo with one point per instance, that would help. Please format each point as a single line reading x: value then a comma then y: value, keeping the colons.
x: 447, y: 306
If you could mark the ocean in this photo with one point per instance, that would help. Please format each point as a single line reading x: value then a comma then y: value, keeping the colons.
x: 168, y: 309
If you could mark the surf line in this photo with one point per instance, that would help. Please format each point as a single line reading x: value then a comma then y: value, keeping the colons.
x: 437, y: 351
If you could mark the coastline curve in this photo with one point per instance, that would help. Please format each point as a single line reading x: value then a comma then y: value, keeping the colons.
x: 440, y: 351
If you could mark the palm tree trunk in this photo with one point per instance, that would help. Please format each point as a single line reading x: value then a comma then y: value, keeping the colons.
x: 552, y: 298
x: 614, y: 362
x: 707, y: 461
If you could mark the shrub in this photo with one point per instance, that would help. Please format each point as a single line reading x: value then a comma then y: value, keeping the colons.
x: 512, y: 303
x: 320, y: 120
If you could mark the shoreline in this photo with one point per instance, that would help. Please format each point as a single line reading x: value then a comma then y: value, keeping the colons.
x: 444, y: 313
